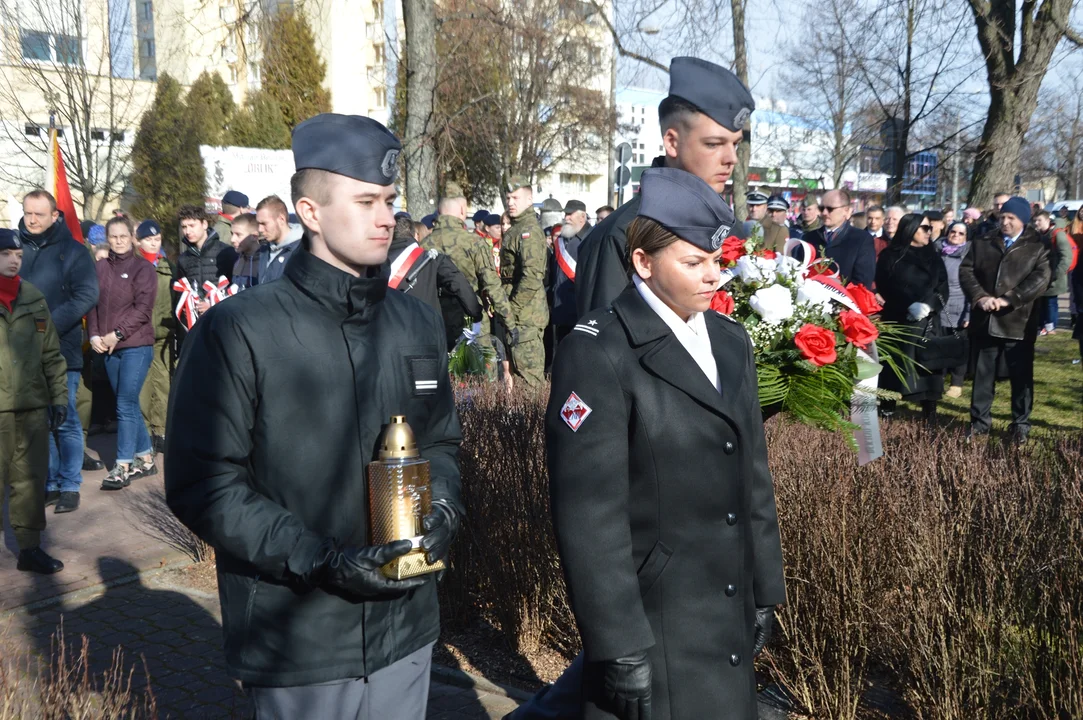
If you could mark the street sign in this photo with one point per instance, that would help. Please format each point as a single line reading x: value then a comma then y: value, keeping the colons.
x: 624, y: 176
x: 624, y: 154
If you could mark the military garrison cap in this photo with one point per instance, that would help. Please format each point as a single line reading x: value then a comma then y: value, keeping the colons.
x: 755, y: 197
x: 686, y: 206
x: 574, y: 206
x: 777, y: 202
x: 518, y: 181
x: 9, y: 240
x: 351, y: 145
x: 713, y: 89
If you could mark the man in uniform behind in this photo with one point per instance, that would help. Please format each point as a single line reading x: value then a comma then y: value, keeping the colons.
x: 267, y: 462
x: 523, y: 259
x: 702, y: 121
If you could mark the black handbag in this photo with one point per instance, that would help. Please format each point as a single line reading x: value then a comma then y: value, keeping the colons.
x: 941, y: 348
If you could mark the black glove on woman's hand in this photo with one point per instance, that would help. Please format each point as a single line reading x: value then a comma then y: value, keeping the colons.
x: 626, y: 686
x: 357, y: 571
x: 765, y: 624
x: 441, y: 526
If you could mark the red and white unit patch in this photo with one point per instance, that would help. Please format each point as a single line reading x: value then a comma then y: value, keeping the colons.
x: 574, y: 412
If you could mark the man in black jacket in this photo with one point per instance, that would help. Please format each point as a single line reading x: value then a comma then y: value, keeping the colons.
x: 61, y: 268
x: 702, y: 120
x: 427, y: 274
x: 1002, y: 275
x: 279, y: 403
x: 206, y: 257
x: 850, y: 249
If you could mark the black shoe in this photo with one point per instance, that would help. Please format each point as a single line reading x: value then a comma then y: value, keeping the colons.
x: 51, y: 497
x: 69, y: 502
x: 37, y: 560
x: 1019, y: 437
x: 971, y: 434
x: 158, y: 443
x: 90, y: 464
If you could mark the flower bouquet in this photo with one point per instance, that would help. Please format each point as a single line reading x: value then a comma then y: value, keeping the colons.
x: 818, y: 345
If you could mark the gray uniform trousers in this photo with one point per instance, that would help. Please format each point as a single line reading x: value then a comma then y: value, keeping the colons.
x: 400, y: 691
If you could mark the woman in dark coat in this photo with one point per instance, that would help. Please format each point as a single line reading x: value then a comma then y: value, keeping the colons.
x: 913, y: 281
x: 662, y: 500
x: 953, y: 247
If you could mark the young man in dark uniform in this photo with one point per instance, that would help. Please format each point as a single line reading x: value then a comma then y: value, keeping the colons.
x: 278, y: 405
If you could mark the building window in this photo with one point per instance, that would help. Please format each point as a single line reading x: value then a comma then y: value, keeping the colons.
x: 575, y: 182
x: 118, y: 136
x: 36, y: 46
x: 69, y: 50
x: 233, y: 74
x: 32, y: 130
x: 381, y: 97
x: 378, y: 54
x: 377, y: 10
x: 253, y: 74
x: 147, y: 49
x: 148, y: 11
x: 97, y: 135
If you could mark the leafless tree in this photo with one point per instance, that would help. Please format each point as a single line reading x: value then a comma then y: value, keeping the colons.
x: 1054, y: 141
x: 85, y: 80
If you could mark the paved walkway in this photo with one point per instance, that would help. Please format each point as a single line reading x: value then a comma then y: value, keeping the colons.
x: 127, y: 535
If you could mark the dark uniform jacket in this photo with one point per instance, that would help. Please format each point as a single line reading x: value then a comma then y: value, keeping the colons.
x: 61, y: 268
x: 602, y: 266
x: 851, y: 249
x: 663, y: 506
x: 437, y: 277
x: 278, y: 404
x: 33, y: 374
x: 562, y: 288
x: 1019, y: 274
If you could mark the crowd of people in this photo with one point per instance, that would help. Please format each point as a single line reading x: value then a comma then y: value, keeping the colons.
x: 285, y: 341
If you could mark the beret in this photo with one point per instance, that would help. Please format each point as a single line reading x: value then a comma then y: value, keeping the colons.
x: 686, y: 206
x: 492, y: 219
x: 574, y: 206
x: 429, y: 220
x: 755, y: 197
x: 238, y: 199
x: 9, y: 239
x: 351, y: 145
x: 713, y: 89
x: 777, y: 202
x: 480, y: 215
x: 147, y: 228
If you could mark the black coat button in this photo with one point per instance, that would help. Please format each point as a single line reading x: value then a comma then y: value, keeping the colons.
x: 731, y: 519
x: 735, y: 660
x: 729, y: 447
x: 731, y: 590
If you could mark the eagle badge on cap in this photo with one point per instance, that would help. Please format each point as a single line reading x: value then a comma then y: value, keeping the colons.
x: 574, y: 412
x: 720, y: 234
x: 741, y: 117
x: 390, y: 166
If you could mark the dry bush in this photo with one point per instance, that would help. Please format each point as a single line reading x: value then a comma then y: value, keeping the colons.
x: 65, y: 687
x: 949, y: 575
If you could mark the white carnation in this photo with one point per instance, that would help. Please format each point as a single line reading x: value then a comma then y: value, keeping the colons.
x: 774, y: 304
x: 753, y: 268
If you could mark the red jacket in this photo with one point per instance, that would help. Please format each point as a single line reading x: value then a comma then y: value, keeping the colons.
x: 128, y: 285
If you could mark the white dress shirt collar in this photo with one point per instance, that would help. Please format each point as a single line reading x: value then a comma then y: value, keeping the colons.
x: 692, y: 334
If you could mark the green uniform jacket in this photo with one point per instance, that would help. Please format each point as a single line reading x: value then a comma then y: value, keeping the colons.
x: 523, y: 260
x: 33, y: 373
x: 473, y: 259
x: 163, y: 301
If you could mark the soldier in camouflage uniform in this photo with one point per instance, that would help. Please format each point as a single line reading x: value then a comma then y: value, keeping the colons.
x: 523, y: 260
x: 474, y: 258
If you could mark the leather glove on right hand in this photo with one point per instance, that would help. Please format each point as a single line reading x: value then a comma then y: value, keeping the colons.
x: 765, y: 625
x: 626, y: 686
x: 57, y: 415
x: 357, y: 571
x: 513, y: 337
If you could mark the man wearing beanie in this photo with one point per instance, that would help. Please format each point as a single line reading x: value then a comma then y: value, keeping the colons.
x: 1005, y: 271
x: 267, y: 462
x: 33, y: 402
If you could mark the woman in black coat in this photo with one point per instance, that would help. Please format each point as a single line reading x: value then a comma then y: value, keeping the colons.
x: 912, y: 279
x: 662, y: 500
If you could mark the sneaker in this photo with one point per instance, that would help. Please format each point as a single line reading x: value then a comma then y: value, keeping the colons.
x: 1044, y: 332
x: 52, y: 497
x: 142, y: 468
x: 37, y: 560
x: 118, y: 478
x: 69, y: 502
x: 954, y: 391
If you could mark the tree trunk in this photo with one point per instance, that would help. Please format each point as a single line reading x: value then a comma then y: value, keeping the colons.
x: 744, y: 150
x: 419, y: 19
x: 997, y: 160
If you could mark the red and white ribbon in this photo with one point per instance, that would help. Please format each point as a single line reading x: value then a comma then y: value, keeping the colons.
x: 402, y: 264
x: 215, y: 293
x: 564, y: 258
x: 186, y: 307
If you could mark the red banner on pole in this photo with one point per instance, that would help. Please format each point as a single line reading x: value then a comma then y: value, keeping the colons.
x: 61, y: 189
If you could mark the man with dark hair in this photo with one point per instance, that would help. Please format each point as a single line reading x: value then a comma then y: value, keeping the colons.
x: 60, y: 267
x: 1003, y: 275
x: 874, y: 218
x: 233, y: 204
x: 702, y: 121
x: 276, y: 246
x: 428, y: 275
x: 602, y: 213
x: 205, y: 257
x: 850, y: 249
x: 244, y: 237
x: 279, y: 405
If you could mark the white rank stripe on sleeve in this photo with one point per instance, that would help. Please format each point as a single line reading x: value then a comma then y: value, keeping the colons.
x: 425, y: 384
x: 574, y: 412
x: 589, y: 328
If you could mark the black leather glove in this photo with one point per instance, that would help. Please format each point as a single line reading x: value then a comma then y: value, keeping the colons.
x: 626, y: 686
x: 441, y: 527
x: 765, y: 624
x: 57, y: 415
x: 513, y: 337
x: 357, y: 571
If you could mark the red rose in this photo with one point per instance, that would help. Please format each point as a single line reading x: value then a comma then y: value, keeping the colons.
x: 732, y: 248
x: 769, y: 254
x: 865, y: 299
x: 857, y: 328
x: 817, y: 344
x: 722, y: 302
